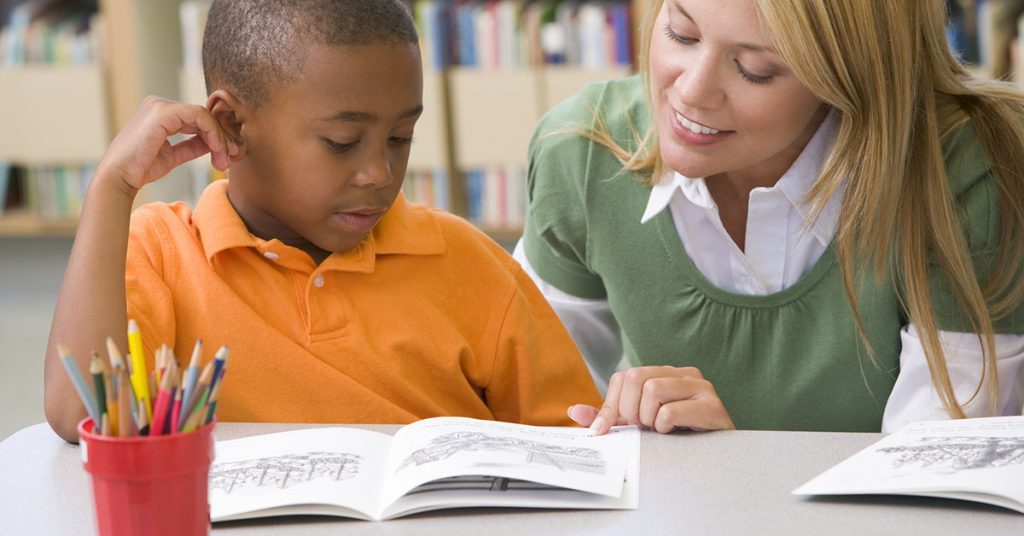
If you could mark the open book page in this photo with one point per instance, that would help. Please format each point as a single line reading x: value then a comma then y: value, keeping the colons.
x: 448, y: 462
x: 335, y: 471
x: 973, y: 459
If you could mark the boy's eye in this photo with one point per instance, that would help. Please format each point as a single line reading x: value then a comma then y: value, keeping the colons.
x: 338, y: 147
x: 399, y: 141
x: 678, y: 38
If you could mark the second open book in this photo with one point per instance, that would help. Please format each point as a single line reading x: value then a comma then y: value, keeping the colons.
x: 431, y: 464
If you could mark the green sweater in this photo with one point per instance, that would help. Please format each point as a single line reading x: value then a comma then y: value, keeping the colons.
x: 792, y: 360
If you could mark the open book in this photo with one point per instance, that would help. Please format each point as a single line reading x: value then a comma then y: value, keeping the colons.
x: 428, y: 465
x: 972, y: 459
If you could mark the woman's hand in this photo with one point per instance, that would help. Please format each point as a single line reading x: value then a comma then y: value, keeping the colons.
x: 662, y: 398
x: 141, y: 152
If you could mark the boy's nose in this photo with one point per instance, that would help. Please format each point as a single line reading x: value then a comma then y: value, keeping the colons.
x: 375, y: 173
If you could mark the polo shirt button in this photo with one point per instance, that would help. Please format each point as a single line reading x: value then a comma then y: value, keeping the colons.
x: 318, y: 281
x: 271, y: 255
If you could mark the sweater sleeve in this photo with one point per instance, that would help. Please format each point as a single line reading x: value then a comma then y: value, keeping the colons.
x: 555, y: 233
x: 978, y: 205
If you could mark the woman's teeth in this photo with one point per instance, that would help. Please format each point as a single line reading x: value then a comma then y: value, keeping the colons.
x: 696, y: 128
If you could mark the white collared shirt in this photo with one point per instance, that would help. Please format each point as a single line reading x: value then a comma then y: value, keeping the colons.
x: 781, y: 245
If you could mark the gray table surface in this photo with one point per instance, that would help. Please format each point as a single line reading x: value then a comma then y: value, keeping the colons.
x: 735, y: 482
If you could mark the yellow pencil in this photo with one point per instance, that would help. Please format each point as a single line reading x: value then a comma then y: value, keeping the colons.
x: 140, y: 377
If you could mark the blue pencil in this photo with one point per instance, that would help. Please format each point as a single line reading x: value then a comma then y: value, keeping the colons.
x: 219, y: 361
x: 79, y: 382
x: 191, y: 376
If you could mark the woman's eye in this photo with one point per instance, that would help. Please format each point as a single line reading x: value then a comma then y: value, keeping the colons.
x: 678, y: 38
x: 401, y: 141
x: 753, y: 78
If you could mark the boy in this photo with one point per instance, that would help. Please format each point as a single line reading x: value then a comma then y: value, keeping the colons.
x: 341, y: 301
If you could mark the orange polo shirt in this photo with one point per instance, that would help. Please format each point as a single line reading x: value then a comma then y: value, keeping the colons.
x: 426, y: 317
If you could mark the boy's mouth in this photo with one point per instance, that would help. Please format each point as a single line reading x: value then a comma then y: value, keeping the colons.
x: 360, y: 219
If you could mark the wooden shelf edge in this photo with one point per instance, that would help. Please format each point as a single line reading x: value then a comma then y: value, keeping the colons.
x: 22, y: 225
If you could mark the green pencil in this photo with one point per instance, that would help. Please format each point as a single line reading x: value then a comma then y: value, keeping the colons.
x: 99, y: 382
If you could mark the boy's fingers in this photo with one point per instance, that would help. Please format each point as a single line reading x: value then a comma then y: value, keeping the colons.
x: 188, y: 150
x: 202, y: 123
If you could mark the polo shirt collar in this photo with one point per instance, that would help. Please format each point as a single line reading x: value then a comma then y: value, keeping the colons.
x: 794, y: 184
x: 406, y: 229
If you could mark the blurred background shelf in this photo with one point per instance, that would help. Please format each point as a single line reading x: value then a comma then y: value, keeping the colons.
x: 22, y: 224
x: 52, y: 114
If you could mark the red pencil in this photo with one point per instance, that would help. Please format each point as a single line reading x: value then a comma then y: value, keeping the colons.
x: 176, y: 411
x: 163, y: 402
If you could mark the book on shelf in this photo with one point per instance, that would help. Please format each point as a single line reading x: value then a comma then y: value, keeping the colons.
x: 37, y: 38
x: 510, y: 34
x: 979, y: 460
x: 428, y: 188
x: 51, y: 32
x: 432, y: 464
x: 496, y: 197
x: 5, y: 180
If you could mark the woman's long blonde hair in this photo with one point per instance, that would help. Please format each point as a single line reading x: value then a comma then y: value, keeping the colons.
x: 886, y: 69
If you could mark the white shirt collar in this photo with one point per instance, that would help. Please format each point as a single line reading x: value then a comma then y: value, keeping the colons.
x: 794, y: 184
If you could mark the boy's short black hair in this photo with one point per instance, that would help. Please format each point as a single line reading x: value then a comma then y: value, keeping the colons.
x: 253, y: 46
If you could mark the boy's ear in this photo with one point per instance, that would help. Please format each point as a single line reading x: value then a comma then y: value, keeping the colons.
x: 230, y: 113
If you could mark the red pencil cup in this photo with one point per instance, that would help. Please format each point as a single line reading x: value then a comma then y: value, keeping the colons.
x: 149, y: 485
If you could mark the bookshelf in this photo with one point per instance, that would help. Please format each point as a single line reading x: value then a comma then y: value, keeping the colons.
x: 20, y: 224
x: 63, y: 97
x: 477, y: 119
x: 506, y: 63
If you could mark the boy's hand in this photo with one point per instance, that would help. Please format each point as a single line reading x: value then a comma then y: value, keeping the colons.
x: 141, y: 152
x: 663, y: 398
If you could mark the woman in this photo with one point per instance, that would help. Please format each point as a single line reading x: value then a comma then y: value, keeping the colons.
x: 803, y: 215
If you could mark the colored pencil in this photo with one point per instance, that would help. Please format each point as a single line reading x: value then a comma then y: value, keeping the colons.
x: 78, y: 382
x: 124, y: 398
x: 105, y: 427
x: 176, y: 411
x: 163, y: 401
x: 199, y: 393
x: 196, y: 415
x: 219, y: 362
x: 116, y: 360
x: 211, y: 404
x: 142, y: 420
x: 99, y: 383
x: 191, y: 377
x: 140, y: 376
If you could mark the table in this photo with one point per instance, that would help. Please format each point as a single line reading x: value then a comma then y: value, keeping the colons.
x: 735, y: 482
